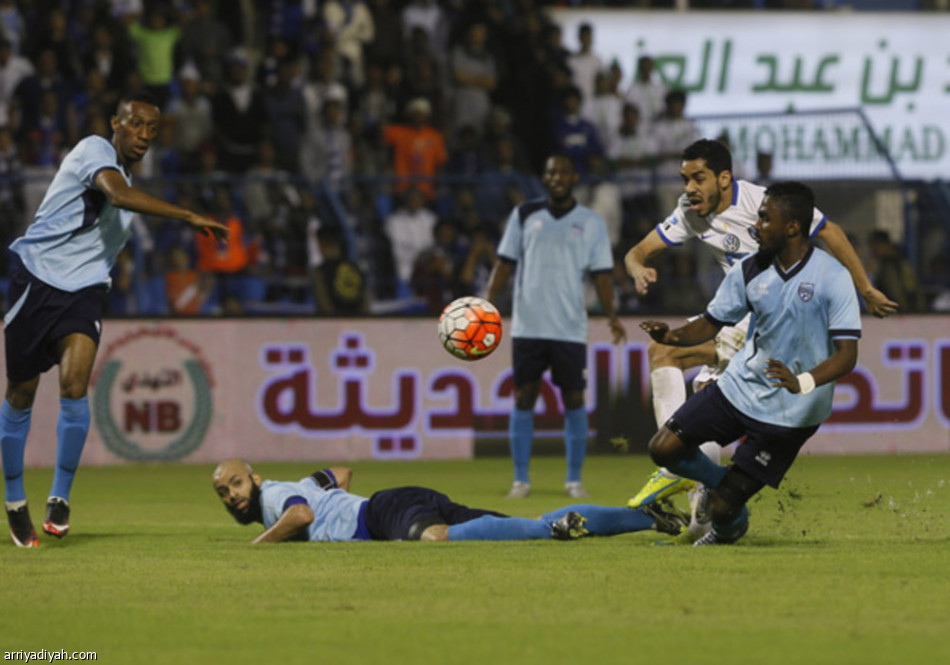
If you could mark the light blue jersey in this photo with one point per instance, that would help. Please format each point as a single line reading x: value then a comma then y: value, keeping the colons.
x: 797, y: 315
x: 553, y: 254
x: 335, y: 512
x: 77, y: 234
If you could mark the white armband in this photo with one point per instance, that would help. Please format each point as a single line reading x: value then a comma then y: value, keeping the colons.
x: 806, y: 383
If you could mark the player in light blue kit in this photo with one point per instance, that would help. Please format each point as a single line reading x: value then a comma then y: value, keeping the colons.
x: 778, y: 388
x: 320, y: 508
x: 554, y: 242
x: 59, y: 280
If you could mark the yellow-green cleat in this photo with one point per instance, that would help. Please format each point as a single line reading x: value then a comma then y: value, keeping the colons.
x: 661, y: 485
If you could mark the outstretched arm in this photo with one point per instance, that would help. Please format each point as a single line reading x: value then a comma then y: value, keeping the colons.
x: 834, y: 237
x: 119, y: 194
x: 297, y: 517
x: 695, y: 332
x: 841, y: 362
x: 637, y: 259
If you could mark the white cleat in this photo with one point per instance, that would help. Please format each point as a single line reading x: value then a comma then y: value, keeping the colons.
x: 519, y: 490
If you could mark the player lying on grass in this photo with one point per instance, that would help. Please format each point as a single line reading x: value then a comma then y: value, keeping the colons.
x: 321, y: 508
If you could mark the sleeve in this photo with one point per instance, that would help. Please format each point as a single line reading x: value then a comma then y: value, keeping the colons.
x: 278, y: 497
x: 601, y: 254
x: 673, y: 230
x: 818, y: 220
x: 844, y: 312
x: 729, y: 305
x: 510, y: 246
x: 94, y: 155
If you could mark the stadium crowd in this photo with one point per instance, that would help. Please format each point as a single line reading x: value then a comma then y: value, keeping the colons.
x: 364, y: 154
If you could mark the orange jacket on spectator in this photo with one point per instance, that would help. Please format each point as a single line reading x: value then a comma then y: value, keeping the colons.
x: 419, y: 151
x: 229, y: 257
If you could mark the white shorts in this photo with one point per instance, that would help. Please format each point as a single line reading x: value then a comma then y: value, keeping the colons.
x: 728, y: 342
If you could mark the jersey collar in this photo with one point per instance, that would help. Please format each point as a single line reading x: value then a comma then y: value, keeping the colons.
x: 797, y: 268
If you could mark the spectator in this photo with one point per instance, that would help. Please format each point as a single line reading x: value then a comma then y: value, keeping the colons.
x: 428, y: 15
x: 893, y: 273
x: 339, y: 286
x: 374, y: 107
x: 573, y: 135
x: 226, y: 262
x: 422, y: 81
x: 499, y: 129
x: 418, y: 149
x: 267, y: 187
x: 13, y: 69
x: 646, y: 93
x: 673, y: 131
x: 475, y: 75
x: 12, y: 25
x: 109, y: 56
x: 240, y: 116
x: 409, y: 230
x: 205, y: 42
x: 585, y: 64
x: 387, y: 46
x: 327, y: 152
x: 602, y: 195
x: 352, y: 26
x: 191, y: 114
x: 634, y: 155
x: 466, y: 158
x: 29, y: 93
x: 155, y: 42
x: 435, y: 269
x: 45, y: 136
x: 53, y: 37
x: 11, y: 194
x: 478, y: 261
x: 286, y: 117
x: 323, y: 85
x: 604, y: 110
x: 186, y: 290
x: 763, y: 167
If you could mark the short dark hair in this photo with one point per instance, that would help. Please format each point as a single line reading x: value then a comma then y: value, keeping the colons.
x: 141, y: 96
x: 796, y: 200
x: 714, y: 153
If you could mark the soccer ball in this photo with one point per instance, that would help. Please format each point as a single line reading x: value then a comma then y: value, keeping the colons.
x: 470, y: 328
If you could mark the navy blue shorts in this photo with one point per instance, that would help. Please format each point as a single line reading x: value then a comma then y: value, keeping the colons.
x: 566, y: 360
x: 767, y: 451
x: 39, y: 316
x: 391, y: 514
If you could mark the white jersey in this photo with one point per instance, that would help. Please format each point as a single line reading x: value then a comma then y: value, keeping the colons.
x: 730, y: 233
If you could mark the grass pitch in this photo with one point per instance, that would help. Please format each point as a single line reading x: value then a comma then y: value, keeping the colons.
x: 847, y: 563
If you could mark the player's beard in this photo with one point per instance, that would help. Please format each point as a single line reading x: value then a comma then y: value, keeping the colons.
x: 252, y: 513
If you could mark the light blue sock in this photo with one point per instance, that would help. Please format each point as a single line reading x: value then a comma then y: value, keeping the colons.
x: 575, y: 442
x: 71, y: 430
x: 520, y: 436
x: 14, y: 428
x: 697, y: 466
x: 489, y: 527
x: 605, y: 520
x: 733, y: 528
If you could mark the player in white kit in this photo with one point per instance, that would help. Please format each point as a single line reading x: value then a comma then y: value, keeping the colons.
x: 721, y: 212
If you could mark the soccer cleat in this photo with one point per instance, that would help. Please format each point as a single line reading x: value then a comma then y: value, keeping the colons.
x: 661, y: 485
x: 519, y: 490
x: 569, y: 527
x: 21, y: 527
x: 57, y: 517
x: 575, y: 490
x: 667, y: 518
x: 713, y: 538
x: 700, y: 519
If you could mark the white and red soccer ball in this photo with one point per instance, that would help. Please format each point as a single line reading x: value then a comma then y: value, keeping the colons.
x: 470, y: 328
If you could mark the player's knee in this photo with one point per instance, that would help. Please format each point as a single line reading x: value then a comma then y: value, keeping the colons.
x: 20, y: 396
x: 526, y: 396
x: 435, y: 533
x: 73, y: 389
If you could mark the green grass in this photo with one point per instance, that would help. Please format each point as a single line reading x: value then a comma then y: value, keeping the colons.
x: 847, y: 563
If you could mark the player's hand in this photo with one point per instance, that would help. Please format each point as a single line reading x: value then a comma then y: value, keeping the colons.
x: 210, y: 227
x: 642, y: 277
x: 655, y: 329
x: 619, y: 332
x: 782, y: 376
x: 879, y: 304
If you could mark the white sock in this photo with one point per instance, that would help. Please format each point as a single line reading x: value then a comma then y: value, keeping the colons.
x: 669, y: 392
x: 712, y: 450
